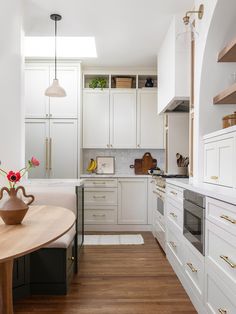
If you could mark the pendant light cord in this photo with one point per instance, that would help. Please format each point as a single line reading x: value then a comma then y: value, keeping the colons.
x: 55, y: 49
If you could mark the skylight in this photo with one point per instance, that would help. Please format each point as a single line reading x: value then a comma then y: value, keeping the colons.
x: 68, y: 47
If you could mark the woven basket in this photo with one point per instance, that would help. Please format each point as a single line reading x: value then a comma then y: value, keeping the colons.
x: 123, y: 82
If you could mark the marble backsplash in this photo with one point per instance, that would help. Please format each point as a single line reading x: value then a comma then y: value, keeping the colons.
x: 123, y: 158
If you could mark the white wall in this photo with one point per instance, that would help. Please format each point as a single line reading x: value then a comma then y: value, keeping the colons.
x: 215, y: 30
x: 11, y: 63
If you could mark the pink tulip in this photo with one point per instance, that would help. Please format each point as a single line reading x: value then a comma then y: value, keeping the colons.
x: 34, y: 162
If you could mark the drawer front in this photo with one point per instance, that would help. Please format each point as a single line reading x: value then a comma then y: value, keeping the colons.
x: 194, y: 269
x: 100, y: 183
x: 174, y: 244
x: 100, y: 216
x: 174, y: 193
x: 221, y: 252
x: 221, y: 214
x: 103, y: 196
x: 159, y: 231
x: 175, y: 214
x: 218, y: 299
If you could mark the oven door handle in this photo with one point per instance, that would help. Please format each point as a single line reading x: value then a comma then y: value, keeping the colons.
x: 158, y: 194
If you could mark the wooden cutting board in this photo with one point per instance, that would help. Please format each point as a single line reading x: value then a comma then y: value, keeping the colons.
x: 141, y: 166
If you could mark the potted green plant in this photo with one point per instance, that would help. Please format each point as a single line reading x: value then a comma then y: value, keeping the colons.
x: 98, y: 82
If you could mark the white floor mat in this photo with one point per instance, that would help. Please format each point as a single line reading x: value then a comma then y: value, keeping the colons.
x: 116, y: 239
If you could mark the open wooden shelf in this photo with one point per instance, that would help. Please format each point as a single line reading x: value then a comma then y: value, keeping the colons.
x: 228, y: 96
x: 228, y: 54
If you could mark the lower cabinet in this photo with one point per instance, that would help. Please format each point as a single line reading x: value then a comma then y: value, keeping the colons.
x: 132, y: 201
x: 21, y: 277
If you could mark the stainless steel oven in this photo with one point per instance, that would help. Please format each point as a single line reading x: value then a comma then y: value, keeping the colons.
x: 160, y: 200
x: 194, y: 219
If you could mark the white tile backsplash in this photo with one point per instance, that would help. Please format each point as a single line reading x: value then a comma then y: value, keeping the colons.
x: 123, y: 157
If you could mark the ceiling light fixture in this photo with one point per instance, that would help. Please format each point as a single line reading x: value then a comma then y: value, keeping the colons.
x: 55, y: 90
x: 200, y: 13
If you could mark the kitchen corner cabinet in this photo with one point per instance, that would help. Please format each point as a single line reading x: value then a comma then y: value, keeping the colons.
x: 54, y: 142
x: 96, y: 119
x: 219, y: 160
x: 123, y: 118
x: 37, y: 79
x: 150, y: 126
x: 132, y: 201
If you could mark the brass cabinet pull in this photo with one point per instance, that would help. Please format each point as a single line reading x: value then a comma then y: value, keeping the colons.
x: 222, y: 311
x: 99, y: 182
x: 99, y: 215
x: 108, y: 145
x: 46, y: 143
x: 190, y: 265
x: 214, y: 177
x: 173, y: 215
x: 99, y: 196
x: 71, y: 258
x: 50, y: 154
x: 227, y: 260
x: 233, y: 221
x: 173, y: 244
x: 172, y: 192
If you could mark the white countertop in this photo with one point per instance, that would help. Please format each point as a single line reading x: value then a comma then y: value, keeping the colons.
x: 220, y: 132
x: 52, y: 182
x: 218, y: 192
x: 116, y: 175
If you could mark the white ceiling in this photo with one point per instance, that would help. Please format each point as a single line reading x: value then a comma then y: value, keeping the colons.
x: 128, y: 33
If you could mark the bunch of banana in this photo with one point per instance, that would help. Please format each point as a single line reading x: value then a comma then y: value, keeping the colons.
x: 92, y: 165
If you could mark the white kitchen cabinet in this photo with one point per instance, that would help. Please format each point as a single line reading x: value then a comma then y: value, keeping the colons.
x: 65, y: 107
x: 123, y: 118
x: 36, y: 144
x: 219, y: 160
x: 150, y: 126
x: 96, y: 119
x: 173, y: 67
x: 37, y: 79
x: 36, y: 82
x: 54, y: 143
x: 132, y: 201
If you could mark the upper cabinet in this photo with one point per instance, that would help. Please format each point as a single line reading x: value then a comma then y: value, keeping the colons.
x: 123, y: 118
x: 173, y: 67
x: 115, y: 117
x: 37, y: 79
x: 149, y: 125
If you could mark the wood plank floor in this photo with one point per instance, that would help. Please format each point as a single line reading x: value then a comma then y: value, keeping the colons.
x: 118, y: 280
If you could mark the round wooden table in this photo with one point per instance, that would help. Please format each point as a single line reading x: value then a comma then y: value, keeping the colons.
x: 42, y: 225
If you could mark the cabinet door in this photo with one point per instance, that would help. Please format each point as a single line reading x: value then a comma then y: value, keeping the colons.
x: 132, y: 201
x: 150, y: 127
x: 96, y: 119
x: 63, y: 149
x: 211, y: 163
x: 226, y: 166
x: 36, y: 144
x: 123, y: 119
x: 65, y: 107
x: 36, y: 82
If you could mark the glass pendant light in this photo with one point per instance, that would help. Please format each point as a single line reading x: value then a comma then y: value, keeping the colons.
x: 55, y: 90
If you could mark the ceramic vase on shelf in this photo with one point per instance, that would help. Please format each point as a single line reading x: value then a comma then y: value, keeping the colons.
x: 14, y: 209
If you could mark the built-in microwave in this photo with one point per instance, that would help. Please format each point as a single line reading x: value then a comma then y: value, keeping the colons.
x: 194, y: 219
x: 160, y: 200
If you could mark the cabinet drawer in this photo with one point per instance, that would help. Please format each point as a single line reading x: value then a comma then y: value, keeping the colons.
x: 174, y: 193
x: 221, y: 253
x: 174, y: 214
x: 100, y: 216
x: 194, y: 269
x: 174, y: 244
x: 218, y: 299
x: 100, y: 183
x: 105, y: 196
x: 159, y: 231
x: 221, y: 214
